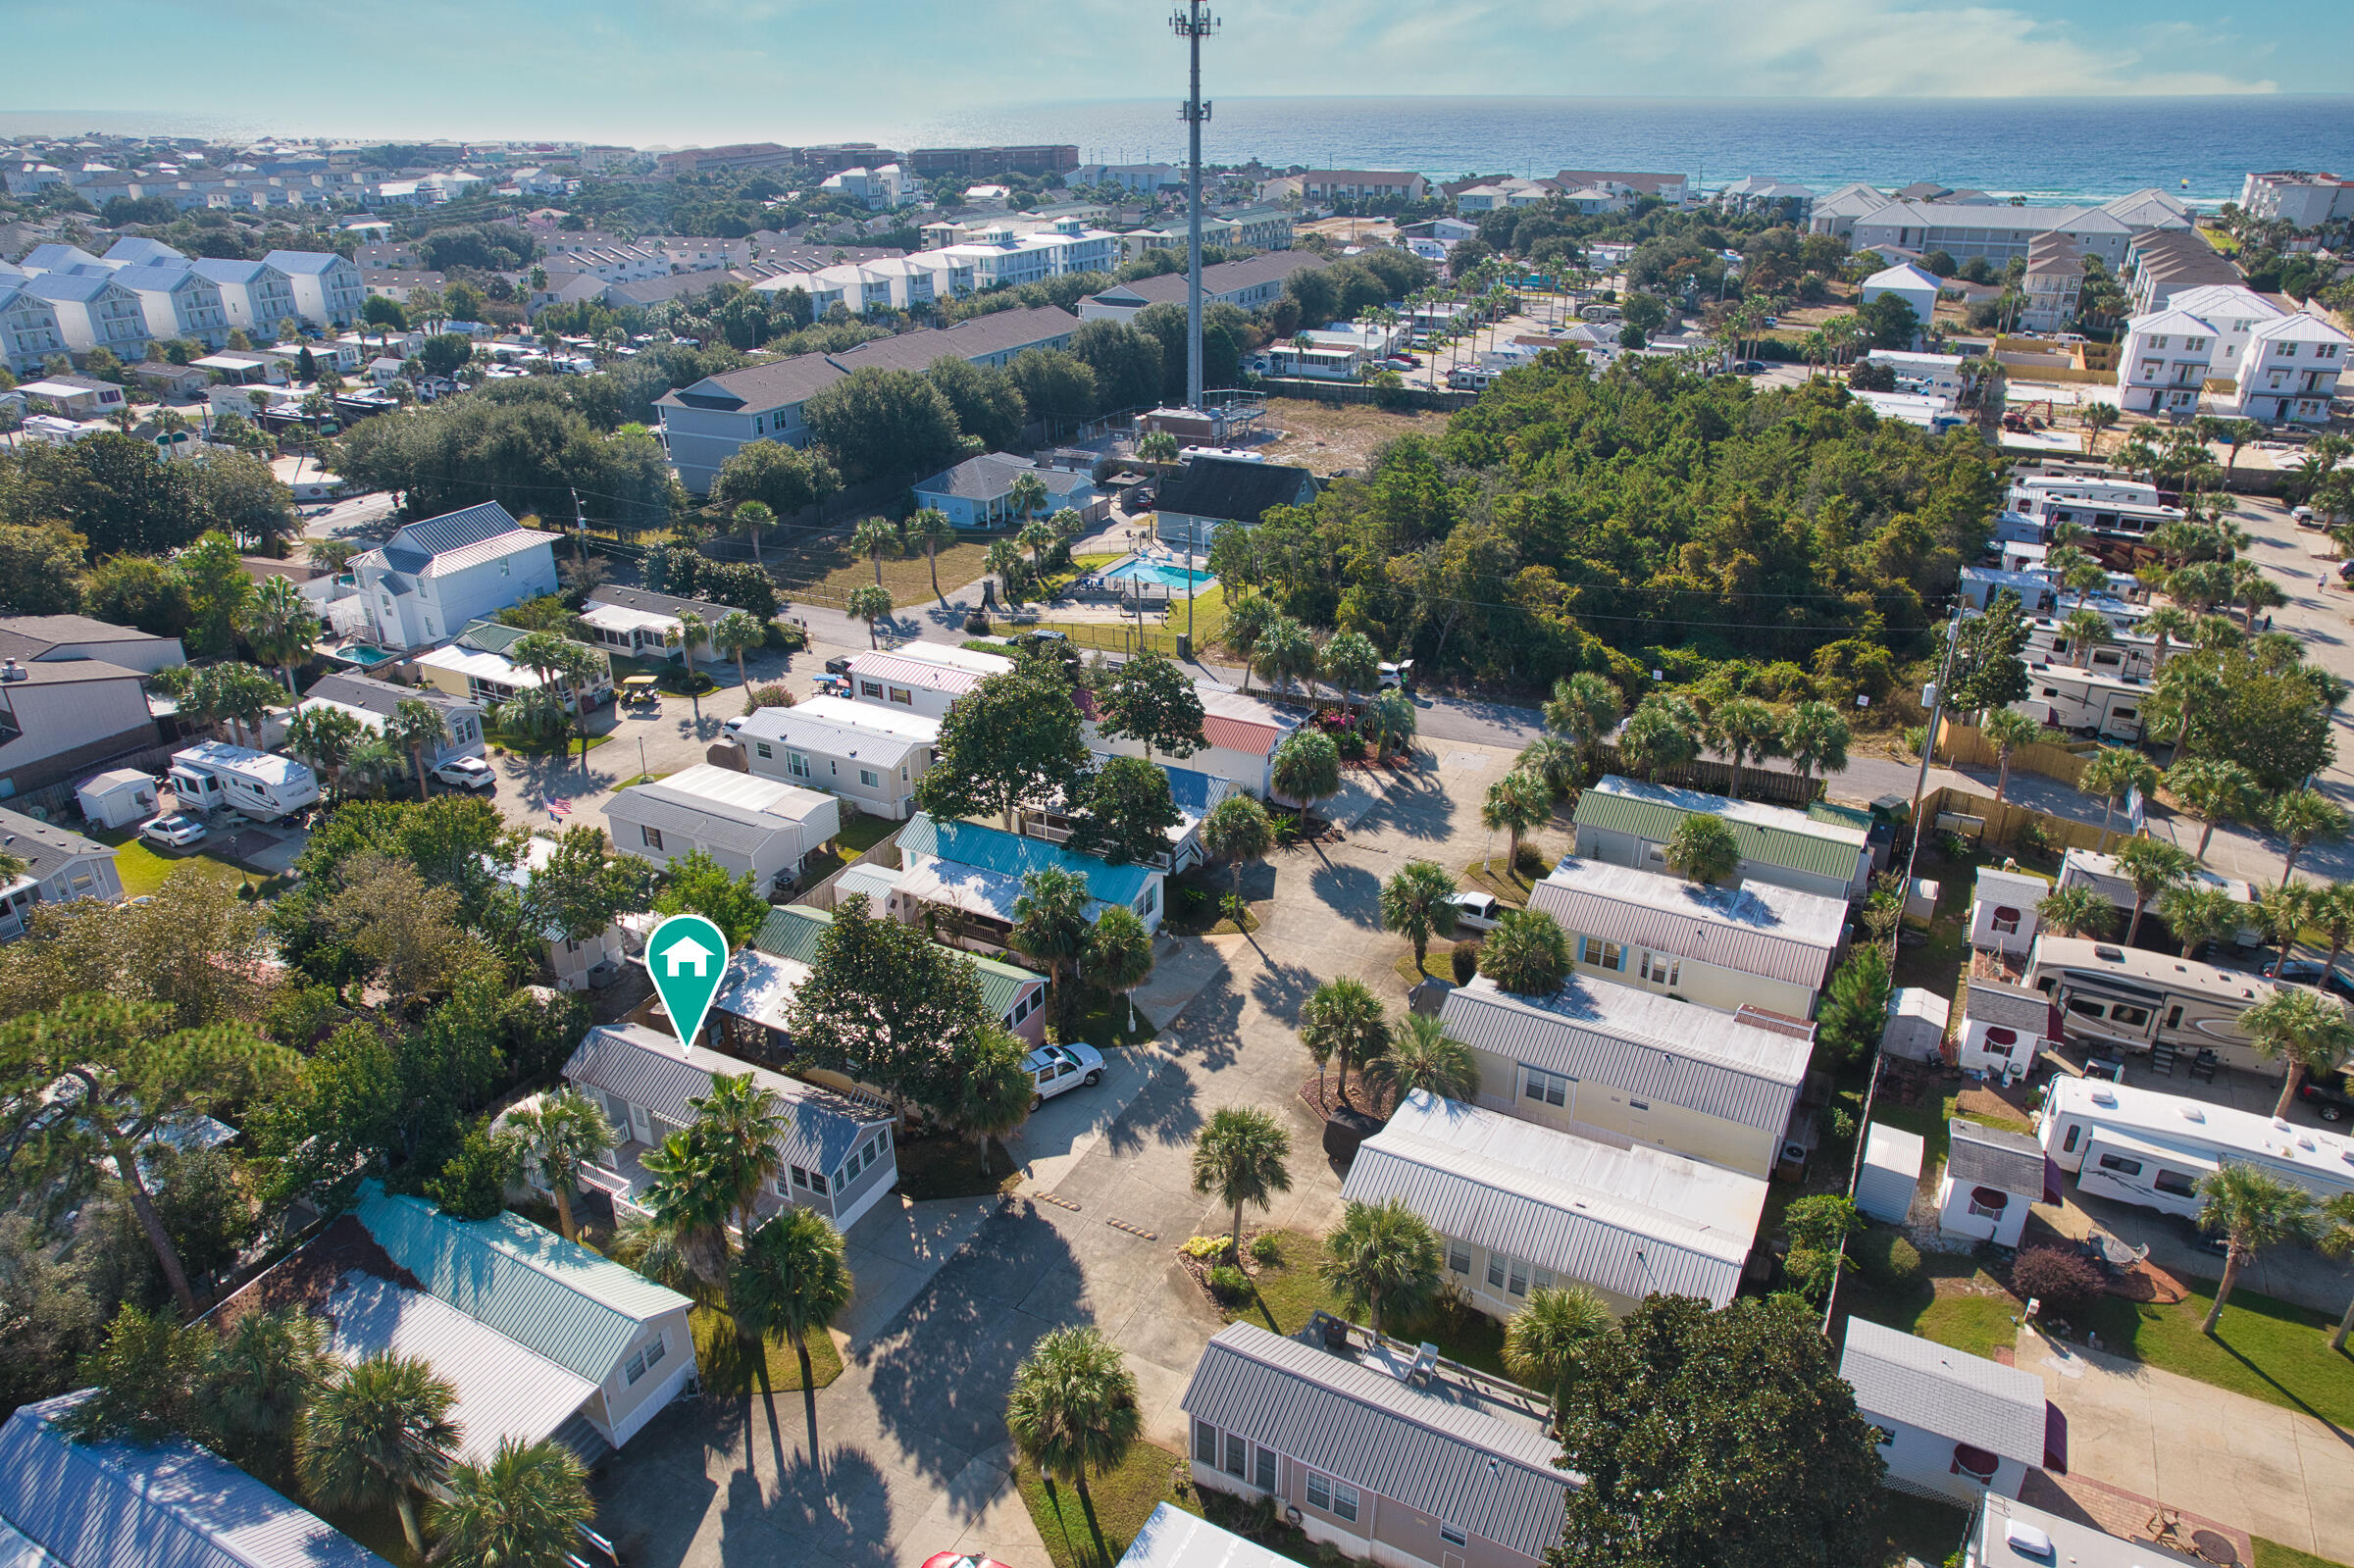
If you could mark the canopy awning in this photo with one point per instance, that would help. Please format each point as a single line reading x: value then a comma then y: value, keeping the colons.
x: 964, y: 887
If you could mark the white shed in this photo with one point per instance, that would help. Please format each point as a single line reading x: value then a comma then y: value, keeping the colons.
x: 2002, y: 910
x: 1891, y: 1173
x: 1916, y: 1025
x: 117, y: 798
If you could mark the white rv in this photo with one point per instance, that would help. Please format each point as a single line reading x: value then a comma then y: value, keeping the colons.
x: 2080, y: 701
x: 2131, y: 1000
x: 2127, y: 655
x: 216, y: 775
x: 2093, y: 868
x: 2140, y: 1147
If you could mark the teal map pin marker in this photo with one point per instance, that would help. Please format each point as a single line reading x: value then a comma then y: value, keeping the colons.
x: 688, y: 957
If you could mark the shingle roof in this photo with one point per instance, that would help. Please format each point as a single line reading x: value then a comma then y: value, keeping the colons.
x: 793, y: 380
x: 1775, y: 837
x: 1990, y: 1156
x: 967, y: 843
x: 1779, y: 932
x: 1950, y: 1392
x: 1632, y: 1221
x: 669, y: 604
x: 791, y: 931
x: 554, y: 1297
x: 50, y: 630
x: 382, y: 697
x: 172, y: 1505
x: 2007, y: 1006
x: 1461, y: 1464
x: 44, y: 846
x: 1267, y: 266
x: 991, y: 474
x: 648, y: 1069
x: 1234, y: 491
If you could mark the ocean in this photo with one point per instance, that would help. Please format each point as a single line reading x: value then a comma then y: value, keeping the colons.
x: 2041, y: 148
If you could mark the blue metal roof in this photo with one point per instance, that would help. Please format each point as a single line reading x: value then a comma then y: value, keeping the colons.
x: 410, y: 548
x: 548, y: 1294
x: 968, y: 843
x: 174, y: 1505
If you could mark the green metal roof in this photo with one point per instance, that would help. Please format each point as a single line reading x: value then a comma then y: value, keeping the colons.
x: 548, y: 1294
x: 1655, y: 820
x: 1844, y: 816
x: 791, y: 932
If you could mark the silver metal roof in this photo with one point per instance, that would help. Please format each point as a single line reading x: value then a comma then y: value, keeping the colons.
x: 1778, y: 933
x: 1466, y: 1465
x: 1644, y: 1044
x: 736, y: 811
x: 1901, y: 1377
x: 648, y: 1069
x: 1175, y: 1539
x: 1634, y: 1222
x: 1988, y: 1156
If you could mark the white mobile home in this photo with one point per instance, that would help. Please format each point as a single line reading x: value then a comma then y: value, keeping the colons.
x: 871, y: 756
x: 215, y: 775
x: 2139, y: 1146
x: 1951, y: 1425
x: 2131, y: 1000
x: 2124, y: 656
x: 762, y: 825
x: 1518, y: 1207
x: 921, y: 677
x: 1243, y: 734
x: 2087, y: 703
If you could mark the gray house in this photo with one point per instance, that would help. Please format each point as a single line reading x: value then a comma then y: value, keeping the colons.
x: 1207, y: 492
x: 60, y: 866
x: 1376, y: 1450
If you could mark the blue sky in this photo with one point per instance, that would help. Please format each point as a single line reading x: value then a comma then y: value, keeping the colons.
x: 700, y: 70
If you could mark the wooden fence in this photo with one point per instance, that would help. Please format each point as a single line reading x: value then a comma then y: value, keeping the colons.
x: 884, y: 851
x: 2000, y: 823
x: 1964, y: 746
x: 1767, y: 785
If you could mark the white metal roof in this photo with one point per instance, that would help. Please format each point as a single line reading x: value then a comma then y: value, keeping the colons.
x: 2200, y: 1129
x: 1631, y: 1221
x: 482, y: 666
x: 1175, y: 1539
x: 1757, y: 928
x: 739, y: 809
x: 615, y: 617
x: 1895, y: 1150
x: 837, y: 727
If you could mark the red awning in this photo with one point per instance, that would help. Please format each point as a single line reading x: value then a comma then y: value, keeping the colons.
x: 1989, y: 1198
x: 1976, y: 1462
x: 2055, y: 1439
x: 2052, y: 1193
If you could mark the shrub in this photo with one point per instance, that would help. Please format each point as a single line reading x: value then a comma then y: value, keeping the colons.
x: 1531, y: 863
x: 1465, y: 959
x: 1204, y: 1247
x: 1265, y: 1250
x: 1228, y: 1283
x: 1808, y: 1271
x: 2064, y: 1280
x: 976, y: 625
x: 1818, y: 1223
x: 1349, y: 744
x: 768, y: 697
x: 1883, y: 1253
x: 787, y: 637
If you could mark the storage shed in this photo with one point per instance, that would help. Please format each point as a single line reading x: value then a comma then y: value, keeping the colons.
x: 1891, y: 1173
x: 116, y: 799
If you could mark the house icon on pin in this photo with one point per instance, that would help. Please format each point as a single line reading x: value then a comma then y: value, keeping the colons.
x: 687, y: 952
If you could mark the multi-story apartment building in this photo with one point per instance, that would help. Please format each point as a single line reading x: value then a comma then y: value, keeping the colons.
x: 2235, y: 311
x: 2053, y: 283
x: 2162, y: 364
x: 256, y: 295
x: 2290, y: 370
x: 982, y: 163
x: 328, y: 289
x: 94, y: 312
x: 28, y: 328
x: 179, y: 302
x: 2002, y: 232
x: 2298, y: 197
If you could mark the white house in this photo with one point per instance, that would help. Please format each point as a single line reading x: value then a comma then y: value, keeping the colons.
x: 256, y: 295
x: 922, y: 677
x: 2002, y: 910
x: 2298, y: 197
x: 761, y: 826
x: 2290, y: 370
x: 1907, y: 283
x: 1244, y: 734
x: 2162, y: 362
x: 871, y: 756
x: 2235, y: 311
x: 1991, y: 1179
x: 1951, y: 1425
x: 28, y: 325
x: 430, y: 579
x: 642, y: 624
x: 328, y: 288
x: 94, y: 312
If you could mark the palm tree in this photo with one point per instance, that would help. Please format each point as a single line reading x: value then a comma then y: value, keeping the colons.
x: 1119, y: 955
x: 2085, y: 630
x: 1514, y: 804
x: 2008, y: 729
x: 1816, y: 735
x: 2251, y: 1210
x: 689, y: 1204
x: 870, y: 604
x: 1026, y: 497
x: 380, y: 1434
x: 1341, y: 1018
x: 580, y: 666
x: 736, y: 634
x: 2199, y: 916
x: 993, y: 1093
x: 1390, y: 719
x: 1382, y: 1257
x: 2334, y: 1221
x: 1073, y: 1407
x: 2304, y: 1030
x: 2303, y: 818
x: 1547, y: 1341
x: 280, y: 627
x: 2152, y: 866
x: 1704, y: 850
x: 414, y: 725
x: 1746, y: 730
x: 2078, y: 909
x: 562, y: 1132
x: 2279, y: 913
x: 1418, y: 903
x: 1306, y: 769
x: 1350, y: 661
x: 1662, y: 733
x: 2096, y: 418
x: 1156, y: 447
x: 742, y: 1126
x: 790, y: 1282
x: 751, y: 519
x: 930, y: 528
x: 524, y: 1507
x: 876, y: 537
x: 263, y: 1373
x: 2168, y: 626
x: 1557, y: 761
x: 1583, y: 709
x: 1237, y: 830
x: 1239, y: 1157
x: 2212, y: 791
x: 1038, y: 538
x: 1421, y: 1056
x: 2331, y: 911
x: 323, y: 737
x: 1049, y: 923
x: 1004, y: 558
x: 2112, y: 772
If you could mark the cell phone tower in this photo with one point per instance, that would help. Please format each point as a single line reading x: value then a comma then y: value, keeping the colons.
x: 1192, y: 25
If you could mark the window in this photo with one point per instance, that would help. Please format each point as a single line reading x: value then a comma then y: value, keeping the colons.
x: 1343, y: 1501
x: 2127, y: 1014
x: 870, y: 688
x: 1518, y: 1285
x: 1319, y: 1491
x: 795, y: 764
x: 1600, y: 954
x: 2120, y: 1165
x: 1150, y: 899
x: 1263, y: 1475
x: 762, y: 746
x: 1662, y: 970
x: 1238, y: 1456
x: 634, y: 1368
x: 652, y: 835
x: 2174, y: 1184
x: 800, y: 1177
x: 2068, y: 1144
x: 817, y: 1183
x: 1458, y: 1257
x: 1453, y: 1534
x: 903, y: 696
x: 1205, y: 1443
x: 2084, y: 1009
x: 655, y: 1351
x: 1549, y: 1089
x: 870, y: 778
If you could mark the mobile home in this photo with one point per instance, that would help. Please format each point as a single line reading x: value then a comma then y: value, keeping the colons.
x: 2139, y: 1146
x: 2130, y: 999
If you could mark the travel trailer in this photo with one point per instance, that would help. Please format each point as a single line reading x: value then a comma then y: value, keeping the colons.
x: 216, y: 775
x: 2127, y: 655
x: 2068, y: 698
x: 2131, y: 1000
x: 2141, y: 1146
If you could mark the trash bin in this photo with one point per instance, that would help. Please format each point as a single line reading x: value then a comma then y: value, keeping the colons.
x: 1185, y: 646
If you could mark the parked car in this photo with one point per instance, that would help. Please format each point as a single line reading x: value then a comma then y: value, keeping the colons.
x: 2306, y: 971
x: 1751, y: 367
x: 467, y: 773
x: 2330, y: 1100
x: 2304, y: 516
x: 1400, y: 674
x: 1400, y: 362
x: 1477, y: 911
x: 1410, y: 361
x: 1059, y: 1069
x: 176, y: 831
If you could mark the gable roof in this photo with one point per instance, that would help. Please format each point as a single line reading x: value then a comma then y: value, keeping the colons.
x: 968, y: 843
x: 1992, y: 1156
x: 1950, y: 1392
x: 1454, y: 1460
x: 412, y: 548
x: 910, y: 668
x: 648, y: 1069
x: 736, y: 811
x: 1779, y: 932
x: 651, y: 603
x: 1790, y: 840
x: 49, y: 632
x: 382, y: 698
x: 990, y: 475
x: 1267, y: 266
x: 1987, y: 1002
x: 44, y: 846
x: 551, y: 1296
x: 839, y: 728
x: 785, y: 381
x: 172, y: 1506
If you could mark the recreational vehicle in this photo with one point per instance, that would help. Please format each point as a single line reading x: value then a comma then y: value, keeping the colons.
x: 2127, y: 998
x: 2126, y: 655
x: 2094, y: 869
x: 216, y: 775
x: 2139, y: 1146
x: 2083, y: 701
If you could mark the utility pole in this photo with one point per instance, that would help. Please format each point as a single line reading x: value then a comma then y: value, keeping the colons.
x: 1192, y: 27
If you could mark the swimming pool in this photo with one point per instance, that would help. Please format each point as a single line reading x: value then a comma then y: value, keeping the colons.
x: 367, y: 655
x: 1136, y: 569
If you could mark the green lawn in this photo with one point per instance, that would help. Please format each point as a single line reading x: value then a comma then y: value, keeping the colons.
x: 727, y: 1366
x: 1932, y: 1123
x: 535, y: 746
x: 1097, y: 1534
x: 1950, y: 1300
x: 2272, y: 1555
x: 1494, y: 875
x: 861, y: 832
x: 1100, y: 1019
x: 1288, y: 1293
x: 144, y: 869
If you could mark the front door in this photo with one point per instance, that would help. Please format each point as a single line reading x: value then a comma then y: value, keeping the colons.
x: 641, y: 1127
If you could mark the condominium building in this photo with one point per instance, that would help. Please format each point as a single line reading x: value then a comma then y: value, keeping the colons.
x: 2298, y: 197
